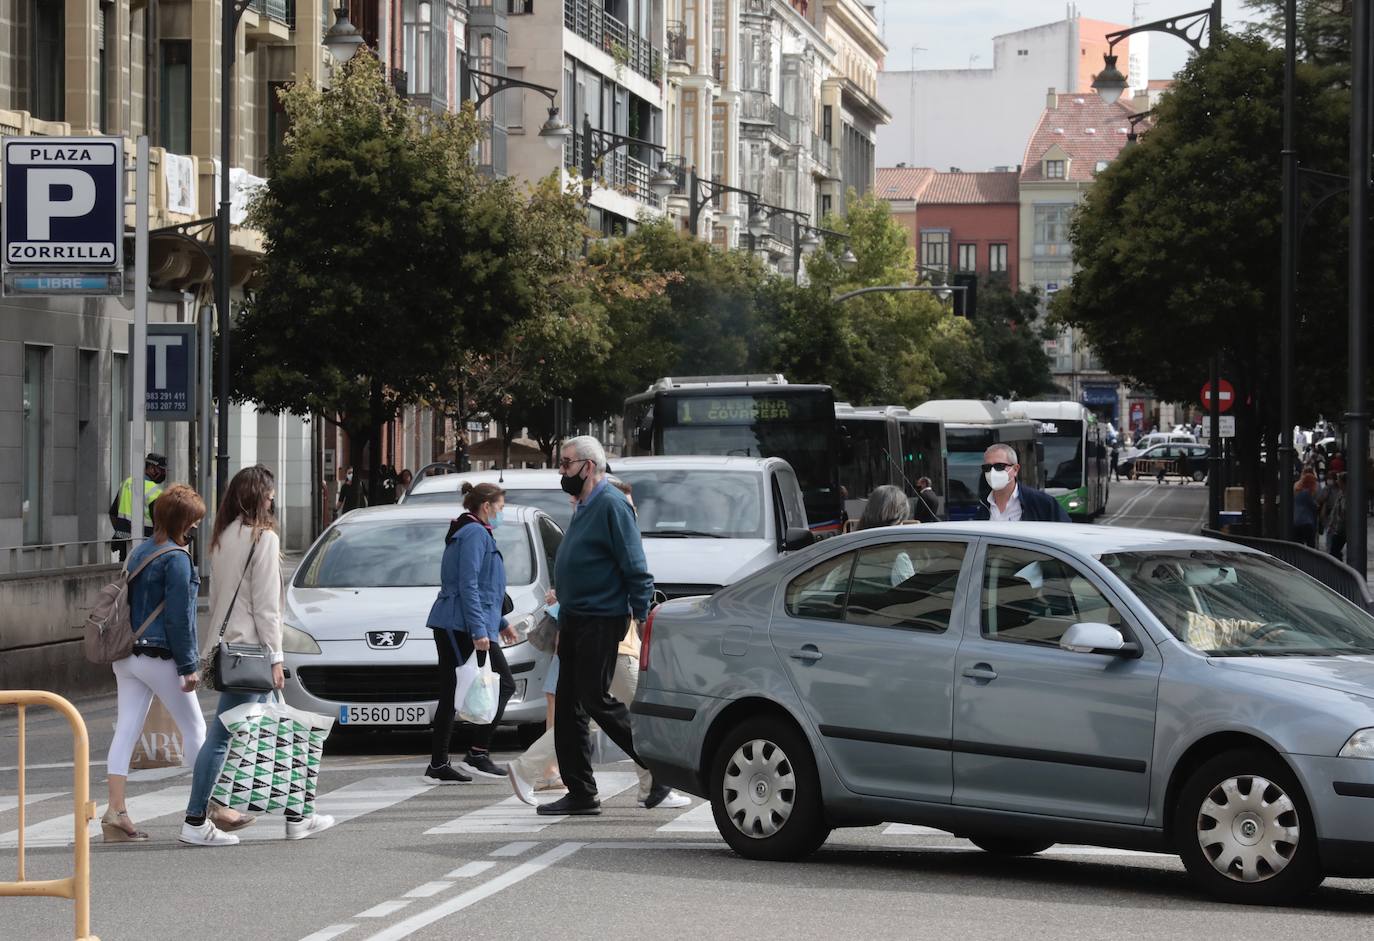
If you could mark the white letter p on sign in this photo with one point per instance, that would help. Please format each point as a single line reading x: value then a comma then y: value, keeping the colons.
x: 43, y: 208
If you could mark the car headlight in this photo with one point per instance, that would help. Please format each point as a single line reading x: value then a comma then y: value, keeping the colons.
x: 295, y: 640
x: 522, y: 627
x: 1360, y: 745
x: 1073, y: 504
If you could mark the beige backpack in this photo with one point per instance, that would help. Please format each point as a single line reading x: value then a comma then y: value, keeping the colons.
x: 109, y: 626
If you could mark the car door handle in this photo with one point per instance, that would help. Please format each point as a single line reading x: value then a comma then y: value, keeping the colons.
x: 806, y: 654
x: 980, y: 671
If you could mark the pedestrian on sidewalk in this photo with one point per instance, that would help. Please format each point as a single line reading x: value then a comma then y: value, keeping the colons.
x: 468, y: 620
x: 1305, y: 510
x: 1115, y: 469
x: 352, y: 494
x: 1335, y: 518
x: 603, y: 581
x: 122, y: 507
x: 162, y: 600
x: 245, y: 608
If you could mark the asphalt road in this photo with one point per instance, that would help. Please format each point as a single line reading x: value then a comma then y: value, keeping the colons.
x: 409, y: 861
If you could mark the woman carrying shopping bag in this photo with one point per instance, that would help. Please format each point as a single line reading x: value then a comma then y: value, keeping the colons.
x: 467, y: 620
x: 162, y: 601
x: 245, y: 609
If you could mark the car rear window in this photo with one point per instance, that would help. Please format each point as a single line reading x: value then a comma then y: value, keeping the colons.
x: 553, y: 502
x: 400, y: 554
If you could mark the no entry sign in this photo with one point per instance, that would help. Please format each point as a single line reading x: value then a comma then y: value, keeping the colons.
x: 1226, y: 396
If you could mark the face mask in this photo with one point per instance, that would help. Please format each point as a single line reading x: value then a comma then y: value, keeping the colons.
x: 572, y: 484
x: 997, y: 479
x: 350, y: 477
x: 497, y: 519
x: 272, y: 507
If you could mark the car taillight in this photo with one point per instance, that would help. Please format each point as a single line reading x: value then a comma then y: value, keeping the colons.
x: 644, y: 640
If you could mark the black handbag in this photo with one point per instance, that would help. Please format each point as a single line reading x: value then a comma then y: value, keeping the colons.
x: 240, y: 668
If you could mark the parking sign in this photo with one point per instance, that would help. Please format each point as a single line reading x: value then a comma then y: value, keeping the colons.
x: 63, y: 214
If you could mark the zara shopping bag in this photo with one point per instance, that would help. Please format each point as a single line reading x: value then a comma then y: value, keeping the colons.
x: 273, y: 765
x: 478, y: 706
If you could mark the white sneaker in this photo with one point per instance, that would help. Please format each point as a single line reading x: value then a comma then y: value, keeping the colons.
x: 207, y: 834
x: 308, y: 826
x: 671, y: 802
x: 520, y: 786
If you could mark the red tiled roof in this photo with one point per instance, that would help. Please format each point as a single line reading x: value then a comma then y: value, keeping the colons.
x: 962, y: 189
x: 901, y: 182
x: 1085, y: 127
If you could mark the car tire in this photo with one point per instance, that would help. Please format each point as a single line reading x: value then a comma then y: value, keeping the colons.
x: 1010, y: 846
x: 765, y: 792
x: 1241, y: 800
x: 1199, y: 476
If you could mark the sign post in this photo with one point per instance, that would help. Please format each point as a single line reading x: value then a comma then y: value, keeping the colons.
x: 138, y: 348
x: 63, y: 222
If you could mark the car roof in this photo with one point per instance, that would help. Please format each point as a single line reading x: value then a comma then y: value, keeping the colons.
x: 1081, y: 538
x: 425, y: 511
x: 545, y: 478
x: 689, y: 462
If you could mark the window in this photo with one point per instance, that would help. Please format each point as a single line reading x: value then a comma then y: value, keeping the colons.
x: 1033, y: 598
x: 997, y: 257
x: 1051, y: 229
x: 515, y: 104
x: 105, y: 35
x: 276, y: 117
x: 552, y: 537
x: 905, y: 584
x: 1100, y: 166
x: 36, y: 408
x: 968, y: 257
x: 47, y: 68
x: 416, y: 39
x: 520, y: 7
x: 1054, y: 169
x: 827, y: 120
x: 176, y: 95
x: 789, y: 495
x: 119, y: 418
x: 935, y: 248
x: 820, y: 592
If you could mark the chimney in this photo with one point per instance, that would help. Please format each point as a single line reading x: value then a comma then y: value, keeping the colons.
x: 1051, y: 99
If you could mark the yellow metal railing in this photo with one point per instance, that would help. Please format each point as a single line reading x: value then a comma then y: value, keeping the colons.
x: 77, y: 887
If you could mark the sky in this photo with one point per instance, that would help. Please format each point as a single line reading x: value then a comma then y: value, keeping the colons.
x: 952, y: 31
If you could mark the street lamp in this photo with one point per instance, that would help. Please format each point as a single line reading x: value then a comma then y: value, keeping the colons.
x: 849, y: 261
x: 758, y: 223
x: 703, y: 191
x: 555, y: 130
x: 597, y: 143
x: 343, y: 38
x: 1110, y: 83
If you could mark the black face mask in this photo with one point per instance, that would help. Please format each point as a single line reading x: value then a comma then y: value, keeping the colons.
x: 572, y: 484
x: 272, y: 508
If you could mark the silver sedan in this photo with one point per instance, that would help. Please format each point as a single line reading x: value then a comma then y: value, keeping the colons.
x: 356, y: 639
x: 1022, y: 684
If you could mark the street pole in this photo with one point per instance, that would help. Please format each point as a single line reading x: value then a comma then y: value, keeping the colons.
x: 1357, y: 415
x: 1288, y: 272
x: 1214, y: 451
x: 588, y: 165
x: 230, y: 10
x: 138, y: 352
x: 204, y: 476
x: 796, y: 250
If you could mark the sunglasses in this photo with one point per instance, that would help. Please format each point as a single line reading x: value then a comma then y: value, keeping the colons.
x: 999, y: 466
x: 566, y: 462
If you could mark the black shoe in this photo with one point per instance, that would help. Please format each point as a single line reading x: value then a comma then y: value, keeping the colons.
x: 657, y: 795
x: 446, y: 774
x: 572, y: 807
x: 481, y: 766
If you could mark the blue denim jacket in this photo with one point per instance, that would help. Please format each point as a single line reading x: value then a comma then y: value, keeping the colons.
x: 173, y: 579
x: 472, y: 584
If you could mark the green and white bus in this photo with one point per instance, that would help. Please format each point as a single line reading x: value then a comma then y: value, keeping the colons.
x: 1076, y: 464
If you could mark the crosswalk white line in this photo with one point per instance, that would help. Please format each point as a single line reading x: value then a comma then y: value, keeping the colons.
x: 910, y: 829
x: 348, y: 803
x: 57, y: 831
x: 514, y: 849
x: 697, y: 820
x: 382, y: 909
x: 428, y: 889
x: 328, y: 934
x: 471, y: 869
x: 513, y: 816
x: 10, y: 802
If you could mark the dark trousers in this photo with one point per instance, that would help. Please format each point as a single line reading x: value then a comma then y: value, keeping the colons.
x: 1305, y: 533
x: 449, y: 659
x: 587, y: 646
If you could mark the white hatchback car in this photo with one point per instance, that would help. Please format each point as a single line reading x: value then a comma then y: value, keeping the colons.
x: 706, y: 521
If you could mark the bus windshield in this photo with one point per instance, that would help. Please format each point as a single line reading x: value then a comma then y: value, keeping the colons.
x: 1063, y: 454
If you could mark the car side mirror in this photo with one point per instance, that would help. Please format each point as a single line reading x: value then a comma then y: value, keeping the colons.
x: 797, y: 538
x: 1095, y: 637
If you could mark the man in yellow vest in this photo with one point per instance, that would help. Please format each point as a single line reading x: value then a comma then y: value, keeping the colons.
x: 122, y: 508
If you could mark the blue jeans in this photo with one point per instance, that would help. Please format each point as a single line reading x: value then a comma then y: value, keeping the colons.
x: 210, y: 761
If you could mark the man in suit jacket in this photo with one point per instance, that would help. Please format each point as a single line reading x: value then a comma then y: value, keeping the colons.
x: 1009, y: 500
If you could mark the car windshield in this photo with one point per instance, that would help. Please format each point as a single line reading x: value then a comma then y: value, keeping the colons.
x: 400, y: 554
x: 1243, y: 604
x: 697, y: 502
x: 553, y: 502
x: 1064, y: 460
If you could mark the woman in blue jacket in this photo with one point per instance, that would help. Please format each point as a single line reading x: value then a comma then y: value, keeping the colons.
x: 467, y: 619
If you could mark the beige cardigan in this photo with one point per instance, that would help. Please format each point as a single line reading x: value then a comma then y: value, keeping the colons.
x: 256, y: 618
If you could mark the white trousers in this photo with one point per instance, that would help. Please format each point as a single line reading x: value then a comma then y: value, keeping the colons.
x: 537, y: 758
x: 139, y: 679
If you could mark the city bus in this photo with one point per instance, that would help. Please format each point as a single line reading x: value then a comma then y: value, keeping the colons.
x: 970, y: 427
x: 886, y: 444
x: 747, y: 416
x: 1075, y: 454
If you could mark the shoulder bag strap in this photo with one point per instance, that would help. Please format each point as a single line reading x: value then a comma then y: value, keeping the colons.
x: 162, y: 605
x: 225, y: 626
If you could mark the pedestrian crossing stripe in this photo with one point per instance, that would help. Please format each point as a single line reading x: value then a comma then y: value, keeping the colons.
x: 513, y: 815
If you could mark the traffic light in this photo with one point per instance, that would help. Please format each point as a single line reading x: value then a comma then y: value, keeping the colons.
x: 966, y: 301
x: 562, y: 416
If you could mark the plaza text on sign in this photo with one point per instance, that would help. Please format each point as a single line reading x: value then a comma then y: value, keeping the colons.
x: 63, y: 203
x: 170, y: 384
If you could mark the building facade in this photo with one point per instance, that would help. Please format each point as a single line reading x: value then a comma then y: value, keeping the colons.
x: 965, y: 223
x: 980, y: 118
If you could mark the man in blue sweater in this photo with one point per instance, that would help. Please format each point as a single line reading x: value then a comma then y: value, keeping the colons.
x: 602, y: 581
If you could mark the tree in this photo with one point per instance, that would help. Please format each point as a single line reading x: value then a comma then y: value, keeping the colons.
x: 1323, y: 31
x: 385, y: 253
x: 1008, y: 350
x: 1177, y: 242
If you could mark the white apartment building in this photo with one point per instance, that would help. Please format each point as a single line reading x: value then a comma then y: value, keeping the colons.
x: 979, y: 119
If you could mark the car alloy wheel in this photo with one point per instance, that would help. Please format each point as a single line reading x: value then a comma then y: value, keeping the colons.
x: 1248, y: 828
x: 759, y: 788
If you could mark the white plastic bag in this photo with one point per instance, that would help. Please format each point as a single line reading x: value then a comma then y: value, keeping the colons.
x: 479, y: 705
x: 467, y: 675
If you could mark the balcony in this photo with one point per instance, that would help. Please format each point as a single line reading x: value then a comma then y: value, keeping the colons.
x: 756, y: 107
x: 619, y: 171
x: 273, y: 21
x: 612, y: 36
x: 677, y: 41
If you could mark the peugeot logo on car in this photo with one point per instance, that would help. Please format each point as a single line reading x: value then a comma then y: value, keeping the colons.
x: 385, y: 640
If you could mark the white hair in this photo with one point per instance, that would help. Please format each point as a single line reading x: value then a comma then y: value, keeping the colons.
x: 1006, y: 449
x: 587, y: 448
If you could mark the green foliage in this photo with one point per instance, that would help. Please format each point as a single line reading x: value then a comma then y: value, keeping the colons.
x: 1006, y: 356
x: 1323, y: 31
